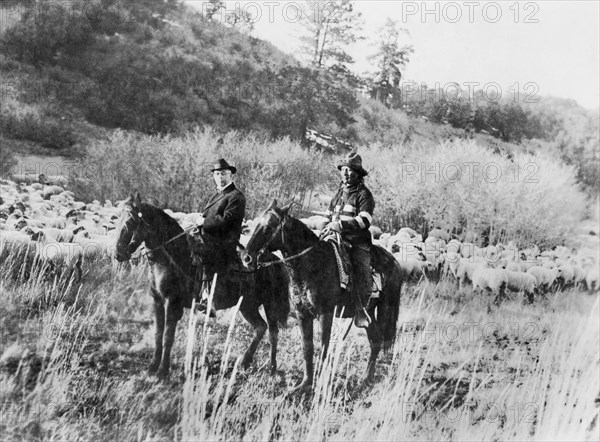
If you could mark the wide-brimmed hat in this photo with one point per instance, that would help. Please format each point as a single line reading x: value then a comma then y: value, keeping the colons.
x: 354, y: 162
x: 221, y: 164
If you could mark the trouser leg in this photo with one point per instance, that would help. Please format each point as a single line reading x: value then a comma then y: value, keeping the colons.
x: 361, y: 289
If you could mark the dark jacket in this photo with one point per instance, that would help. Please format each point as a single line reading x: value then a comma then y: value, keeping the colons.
x: 224, y: 214
x: 353, y: 206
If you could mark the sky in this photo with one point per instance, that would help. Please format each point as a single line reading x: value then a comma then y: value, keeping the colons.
x: 522, y: 49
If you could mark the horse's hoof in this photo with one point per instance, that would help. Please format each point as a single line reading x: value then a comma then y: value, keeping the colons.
x: 302, y: 389
x: 245, y: 364
x: 366, y: 381
x: 153, y: 368
x: 163, y: 374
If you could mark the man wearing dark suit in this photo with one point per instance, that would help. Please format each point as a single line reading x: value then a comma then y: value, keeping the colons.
x: 221, y: 222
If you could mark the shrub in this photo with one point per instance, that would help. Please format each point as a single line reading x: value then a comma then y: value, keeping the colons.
x: 25, y: 122
x: 174, y: 172
x: 462, y: 187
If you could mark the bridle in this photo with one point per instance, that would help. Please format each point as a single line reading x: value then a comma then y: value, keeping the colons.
x: 279, y: 229
x: 133, y: 244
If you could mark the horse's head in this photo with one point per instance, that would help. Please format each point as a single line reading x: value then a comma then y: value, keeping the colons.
x: 131, y: 230
x: 267, y: 235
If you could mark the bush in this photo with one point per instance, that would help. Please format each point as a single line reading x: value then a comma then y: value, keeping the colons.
x: 8, y: 161
x: 462, y: 187
x: 44, y: 31
x: 459, y: 186
x: 25, y: 122
x: 174, y: 172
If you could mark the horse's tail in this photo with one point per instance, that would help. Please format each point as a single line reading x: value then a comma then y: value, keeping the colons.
x: 390, y: 300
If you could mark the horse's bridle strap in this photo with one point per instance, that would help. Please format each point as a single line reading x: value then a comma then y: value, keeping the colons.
x: 289, y: 258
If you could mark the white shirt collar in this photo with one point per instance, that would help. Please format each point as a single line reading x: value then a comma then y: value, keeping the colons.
x: 221, y: 189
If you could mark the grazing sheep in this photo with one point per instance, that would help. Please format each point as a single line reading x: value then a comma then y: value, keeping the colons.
x: 407, y: 231
x: 515, y: 266
x: 316, y: 222
x: 451, y: 260
x: 592, y: 280
x: 413, y: 269
x: 580, y: 274
x: 384, y: 240
x: 50, y: 191
x: 439, y: 234
x: 521, y: 282
x: 492, y: 279
x: 467, y: 249
x: 376, y: 232
x: 566, y: 276
x: 464, y: 270
x: 453, y: 246
x: 544, y: 277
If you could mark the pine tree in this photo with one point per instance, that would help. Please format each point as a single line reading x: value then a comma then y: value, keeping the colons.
x: 391, y: 58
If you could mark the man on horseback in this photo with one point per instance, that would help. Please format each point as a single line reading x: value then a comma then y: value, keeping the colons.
x: 221, y: 225
x: 350, y: 214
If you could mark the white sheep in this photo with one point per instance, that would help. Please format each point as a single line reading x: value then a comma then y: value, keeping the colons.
x: 439, y: 234
x: 464, y: 270
x: 413, y: 269
x: 592, y: 280
x: 316, y: 222
x: 545, y: 277
x: 521, y: 282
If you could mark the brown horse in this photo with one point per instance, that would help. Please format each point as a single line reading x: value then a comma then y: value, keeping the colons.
x: 315, y: 284
x: 172, y: 282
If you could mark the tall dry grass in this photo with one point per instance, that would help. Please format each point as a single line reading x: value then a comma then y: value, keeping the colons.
x: 75, y: 369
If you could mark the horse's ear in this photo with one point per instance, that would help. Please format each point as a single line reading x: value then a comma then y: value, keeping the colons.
x: 285, y: 209
x: 138, y: 200
x: 272, y: 205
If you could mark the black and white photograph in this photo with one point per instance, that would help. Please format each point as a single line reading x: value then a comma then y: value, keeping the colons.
x: 309, y: 220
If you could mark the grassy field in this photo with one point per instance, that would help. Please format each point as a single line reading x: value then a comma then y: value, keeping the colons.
x: 74, y: 358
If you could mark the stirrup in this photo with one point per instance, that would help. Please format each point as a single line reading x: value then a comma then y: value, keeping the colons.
x: 202, y: 307
x: 362, y: 319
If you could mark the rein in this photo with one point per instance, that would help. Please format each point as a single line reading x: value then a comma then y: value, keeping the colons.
x: 264, y: 247
x: 281, y: 261
x: 168, y: 241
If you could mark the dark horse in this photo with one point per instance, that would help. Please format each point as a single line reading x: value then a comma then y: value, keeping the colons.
x: 315, y: 284
x: 172, y: 281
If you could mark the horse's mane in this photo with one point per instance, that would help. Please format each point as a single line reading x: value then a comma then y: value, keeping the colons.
x: 160, y: 219
x: 305, y: 234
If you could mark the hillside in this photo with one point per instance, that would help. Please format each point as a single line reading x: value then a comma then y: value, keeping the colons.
x: 168, y: 70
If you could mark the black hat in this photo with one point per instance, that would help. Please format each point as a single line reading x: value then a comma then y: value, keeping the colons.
x: 354, y: 162
x: 221, y: 164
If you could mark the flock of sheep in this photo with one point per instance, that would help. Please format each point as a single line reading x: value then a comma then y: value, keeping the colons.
x: 494, y: 268
x: 46, y: 223
x: 49, y: 222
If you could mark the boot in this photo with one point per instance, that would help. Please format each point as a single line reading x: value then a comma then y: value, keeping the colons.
x: 361, y: 317
x: 202, y: 303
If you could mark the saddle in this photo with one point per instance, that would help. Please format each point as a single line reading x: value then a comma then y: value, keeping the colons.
x: 232, y: 277
x: 379, y: 264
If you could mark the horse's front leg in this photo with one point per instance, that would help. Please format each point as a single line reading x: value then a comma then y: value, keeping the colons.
x: 159, y: 324
x: 306, y: 329
x: 375, y: 340
x: 174, y: 312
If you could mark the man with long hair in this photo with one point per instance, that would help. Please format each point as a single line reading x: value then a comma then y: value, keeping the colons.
x: 351, y: 214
